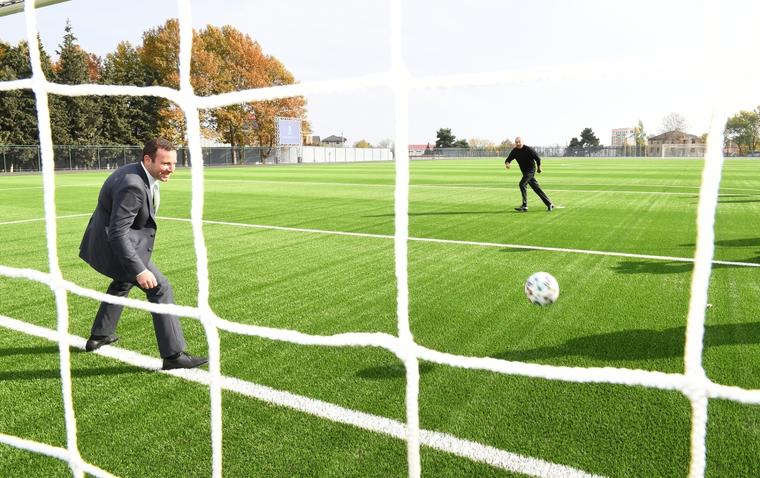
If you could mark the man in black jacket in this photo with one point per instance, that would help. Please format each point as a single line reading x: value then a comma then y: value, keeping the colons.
x: 118, y: 243
x: 529, y: 163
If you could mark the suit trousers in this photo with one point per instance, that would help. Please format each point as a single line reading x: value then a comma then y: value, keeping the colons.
x: 167, y: 327
x: 528, y: 179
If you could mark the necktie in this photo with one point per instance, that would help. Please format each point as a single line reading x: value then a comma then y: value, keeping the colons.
x: 156, y: 198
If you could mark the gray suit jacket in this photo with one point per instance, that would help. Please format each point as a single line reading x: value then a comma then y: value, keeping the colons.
x: 119, y: 238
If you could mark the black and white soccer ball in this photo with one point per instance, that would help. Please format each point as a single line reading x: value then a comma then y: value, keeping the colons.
x: 542, y: 288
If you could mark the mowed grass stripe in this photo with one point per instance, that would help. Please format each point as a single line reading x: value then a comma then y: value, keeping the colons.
x: 613, y: 311
x: 421, y: 239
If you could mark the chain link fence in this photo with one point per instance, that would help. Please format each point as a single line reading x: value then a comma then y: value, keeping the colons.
x: 27, y: 158
x: 693, y: 151
x: 71, y: 158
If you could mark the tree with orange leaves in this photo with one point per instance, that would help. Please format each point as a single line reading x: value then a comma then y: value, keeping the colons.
x: 223, y: 60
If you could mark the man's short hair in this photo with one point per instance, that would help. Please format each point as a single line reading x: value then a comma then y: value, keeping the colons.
x: 154, y: 145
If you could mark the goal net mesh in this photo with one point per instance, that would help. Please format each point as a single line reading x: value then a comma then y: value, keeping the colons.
x: 693, y: 383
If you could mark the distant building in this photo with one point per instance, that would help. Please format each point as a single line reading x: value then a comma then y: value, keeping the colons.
x: 676, y: 144
x: 334, y: 141
x: 730, y: 148
x: 419, y: 149
x: 622, y: 136
x: 311, y: 140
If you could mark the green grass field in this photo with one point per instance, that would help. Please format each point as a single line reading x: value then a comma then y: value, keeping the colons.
x: 466, y: 299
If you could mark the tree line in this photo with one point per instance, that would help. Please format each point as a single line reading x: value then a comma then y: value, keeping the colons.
x: 742, y: 131
x: 446, y: 139
x: 223, y: 60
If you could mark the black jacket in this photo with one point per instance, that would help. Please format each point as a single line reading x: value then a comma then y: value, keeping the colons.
x: 526, y: 157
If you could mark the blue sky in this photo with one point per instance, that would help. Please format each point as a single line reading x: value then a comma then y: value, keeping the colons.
x: 640, y: 60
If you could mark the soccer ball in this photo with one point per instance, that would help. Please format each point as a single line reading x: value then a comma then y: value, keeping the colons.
x: 542, y: 288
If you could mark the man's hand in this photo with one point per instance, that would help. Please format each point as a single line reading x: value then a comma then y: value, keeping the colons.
x: 146, y: 279
x: 539, y: 170
x: 507, y: 165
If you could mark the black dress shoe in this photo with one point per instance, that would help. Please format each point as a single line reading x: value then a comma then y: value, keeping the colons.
x: 97, y: 341
x: 183, y: 360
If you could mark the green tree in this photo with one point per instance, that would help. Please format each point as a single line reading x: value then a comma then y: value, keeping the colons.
x: 127, y: 120
x: 444, y: 138
x: 18, y: 117
x: 574, y: 148
x: 18, y: 110
x: 587, y: 144
x: 74, y: 119
x: 588, y: 138
x: 744, y: 129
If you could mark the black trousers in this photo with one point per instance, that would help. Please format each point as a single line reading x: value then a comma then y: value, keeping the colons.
x: 167, y: 327
x: 528, y: 179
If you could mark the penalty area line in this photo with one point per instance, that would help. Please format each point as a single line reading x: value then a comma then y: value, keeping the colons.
x: 39, y: 219
x: 467, y: 243
x: 434, y: 240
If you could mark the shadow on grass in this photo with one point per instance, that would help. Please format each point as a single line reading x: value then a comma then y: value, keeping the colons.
x: 725, y: 201
x: 659, y: 267
x: 41, y: 374
x: 653, y: 267
x: 390, y: 371
x: 748, y: 242
x: 640, y: 344
x: 728, y: 199
x: 46, y: 349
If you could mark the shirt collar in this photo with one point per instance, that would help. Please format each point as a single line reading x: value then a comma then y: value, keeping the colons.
x: 151, y: 179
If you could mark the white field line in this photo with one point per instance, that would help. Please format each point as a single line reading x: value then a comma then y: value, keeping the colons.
x: 439, y: 241
x: 469, y: 243
x: 335, y: 413
x: 21, y: 221
x: 611, y: 375
x: 382, y: 425
x: 59, y: 186
x: 441, y: 186
x: 458, y: 186
x: 52, y: 451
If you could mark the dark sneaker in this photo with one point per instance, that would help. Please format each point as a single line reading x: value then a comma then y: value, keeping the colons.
x: 183, y: 360
x: 522, y: 209
x: 550, y: 207
x: 97, y: 341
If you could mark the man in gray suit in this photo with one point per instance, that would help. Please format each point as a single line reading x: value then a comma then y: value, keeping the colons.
x: 118, y: 243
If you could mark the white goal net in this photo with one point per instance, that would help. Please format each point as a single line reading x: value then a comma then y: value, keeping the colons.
x: 693, y: 383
